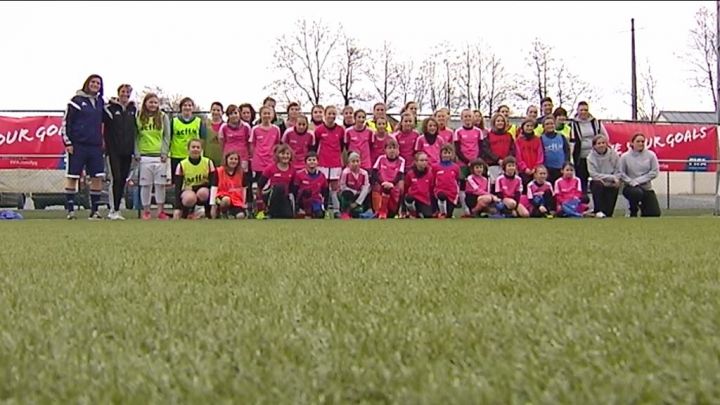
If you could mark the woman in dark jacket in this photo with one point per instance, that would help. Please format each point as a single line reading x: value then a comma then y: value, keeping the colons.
x: 120, y: 133
x: 83, y: 139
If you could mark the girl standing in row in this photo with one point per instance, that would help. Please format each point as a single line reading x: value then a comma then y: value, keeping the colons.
x: 152, y: 147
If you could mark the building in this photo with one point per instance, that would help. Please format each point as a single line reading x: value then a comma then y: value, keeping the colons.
x: 688, y: 117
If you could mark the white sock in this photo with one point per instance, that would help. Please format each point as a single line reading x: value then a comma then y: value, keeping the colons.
x: 335, y: 200
x: 145, y: 196
x: 160, y: 194
x: 465, y: 208
x: 411, y: 206
x: 443, y: 207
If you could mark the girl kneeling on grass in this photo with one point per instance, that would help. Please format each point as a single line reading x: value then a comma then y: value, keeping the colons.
x: 274, y: 186
x: 193, y: 177
x: 571, y: 201
x: 311, y: 188
x: 387, y: 179
x: 228, y: 196
x: 446, y: 177
x: 477, y: 189
x: 354, y: 189
x: 418, y: 188
x: 539, y: 199
x: 508, y: 188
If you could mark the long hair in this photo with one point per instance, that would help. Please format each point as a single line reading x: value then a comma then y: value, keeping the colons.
x: 252, y: 111
x: 495, y: 117
x: 145, y: 114
x: 87, y: 84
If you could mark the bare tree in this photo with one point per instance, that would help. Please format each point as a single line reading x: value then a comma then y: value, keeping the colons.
x: 421, y: 84
x: 283, y: 90
x: 405, y: 76
x: 647, y: 103
x: 702, y: 54
x: 346, y: 70
x: 430, y: 83
x: 304, y: 56
x: 570, y: 88
x: 496, y: 83
x: 383, y: 74
x: 470, y: 75
x: 542, y: 60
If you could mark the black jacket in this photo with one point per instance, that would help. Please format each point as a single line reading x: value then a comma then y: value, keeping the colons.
x: 120, y: 128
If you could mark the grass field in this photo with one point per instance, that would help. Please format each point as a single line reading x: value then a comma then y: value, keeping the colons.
x: 408, y: 312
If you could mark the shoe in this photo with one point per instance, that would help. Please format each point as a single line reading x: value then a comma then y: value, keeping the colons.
x: 115, y: 216
x: 600, y: 215
x: 71, y: 215
x: 382, y: 215
x: 199, y: 212
x: 345, y: 215
x: 240, y: 215
x: 442, y: 216
x: 260, y: 215
x: 95, y: 217
x: 146, y: 215
x: 163, y: 216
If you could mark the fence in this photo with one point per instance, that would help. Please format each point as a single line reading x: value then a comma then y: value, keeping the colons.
x: 679, y: 190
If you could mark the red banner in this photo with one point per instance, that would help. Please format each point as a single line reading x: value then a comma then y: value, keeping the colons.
x: 28, y: 136
x: 696, y: 143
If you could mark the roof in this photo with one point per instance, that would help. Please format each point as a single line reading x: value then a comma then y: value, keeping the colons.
x: 688, y: 117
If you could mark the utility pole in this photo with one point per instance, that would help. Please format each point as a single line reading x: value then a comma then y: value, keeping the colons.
x: 633, y: 89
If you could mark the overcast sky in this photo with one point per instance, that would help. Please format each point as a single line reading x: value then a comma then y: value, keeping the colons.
x: 223, y: 51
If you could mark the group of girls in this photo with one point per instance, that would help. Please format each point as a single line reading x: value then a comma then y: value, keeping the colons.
x: 316, y: 168
x: 362, y: 169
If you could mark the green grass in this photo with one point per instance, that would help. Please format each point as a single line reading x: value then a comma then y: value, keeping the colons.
x: 408, y: 312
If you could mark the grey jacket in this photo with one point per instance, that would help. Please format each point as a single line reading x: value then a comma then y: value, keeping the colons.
x: 605, y: 167
x: 639, y: 168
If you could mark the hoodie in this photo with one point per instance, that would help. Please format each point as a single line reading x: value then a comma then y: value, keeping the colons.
x: 120, y: 128
x: 639, y: 168
x: 605, y: 167
x: 583, y: 132
x: 82, y: 123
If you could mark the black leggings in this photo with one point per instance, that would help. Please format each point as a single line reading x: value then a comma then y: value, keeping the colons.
x: 604, y: 198
x: 450, y: 206
x: 582, y: 173
x: 174, y: 162
x: 119, y: 170
x: 278, y: 203
x: 424, y: 210
x: 644, y: 200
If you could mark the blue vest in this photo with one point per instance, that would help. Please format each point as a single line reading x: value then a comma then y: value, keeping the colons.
x: 553, y: 147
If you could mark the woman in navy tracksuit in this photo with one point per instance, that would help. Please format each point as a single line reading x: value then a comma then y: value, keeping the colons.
x: 83, y: 138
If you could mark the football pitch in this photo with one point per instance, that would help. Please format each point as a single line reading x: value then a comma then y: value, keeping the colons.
x: 397, y: 311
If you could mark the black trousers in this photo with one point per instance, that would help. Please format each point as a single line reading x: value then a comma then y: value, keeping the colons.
x: 582, y: 173
x: 604, y: 198
x: 119, y: 170
x: 278, y: 203
x: 424, y: 210
x: 643, y: 200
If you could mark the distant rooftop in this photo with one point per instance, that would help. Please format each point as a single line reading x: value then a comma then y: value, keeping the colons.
x: 688, y: 117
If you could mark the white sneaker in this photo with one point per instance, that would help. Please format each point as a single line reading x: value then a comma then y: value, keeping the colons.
x: 71, y: 215
x: 199, y: 212
x: 115, y: 216
x: 600, y: 215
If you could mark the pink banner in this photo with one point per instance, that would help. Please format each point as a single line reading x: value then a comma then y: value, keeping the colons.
x: 28, y: 136
x: 696, y: 143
